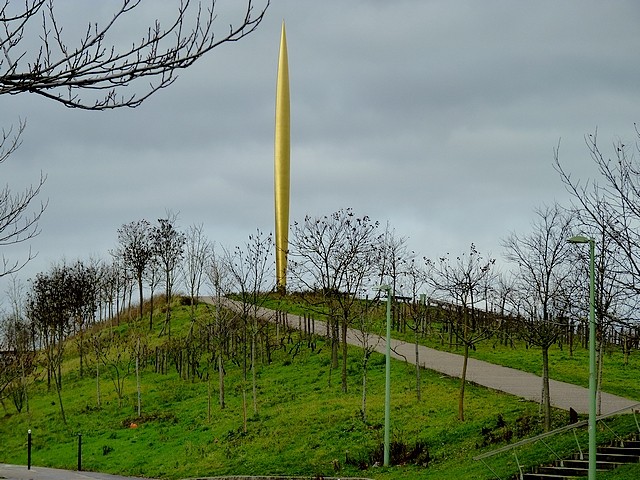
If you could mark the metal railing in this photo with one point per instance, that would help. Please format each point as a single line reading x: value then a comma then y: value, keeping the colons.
x: 541, y: 438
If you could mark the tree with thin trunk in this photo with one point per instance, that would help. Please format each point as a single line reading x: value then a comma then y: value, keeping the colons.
x: 394, y: 256
x: 333, y: 259
x: 414, y: 285
x: 220, y: 328
x: 197, y: 254
x: 464, y: 282
x: 545, y: 277
x: 251, y: 271
x: 369, y: 341
x: 17, y: 363
x: 606, y: 209
x: 136, y: 250
x: 168, y: 246
x: 48, y: 307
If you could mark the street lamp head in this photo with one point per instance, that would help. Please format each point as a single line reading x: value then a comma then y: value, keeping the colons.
x: 386, y: 288
x: 579, y: 239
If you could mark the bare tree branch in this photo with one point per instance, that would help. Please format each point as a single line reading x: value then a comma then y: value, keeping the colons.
x: 65, y: 73
x: 17, y: 223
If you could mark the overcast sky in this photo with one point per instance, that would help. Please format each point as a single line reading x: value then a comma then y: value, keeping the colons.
x: 440, y: 117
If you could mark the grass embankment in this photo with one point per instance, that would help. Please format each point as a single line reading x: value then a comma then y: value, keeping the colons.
x: 305, y: 424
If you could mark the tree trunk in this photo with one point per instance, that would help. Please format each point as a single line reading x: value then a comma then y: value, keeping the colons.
x: 244, y: 408
x: 344, y: 356
x: 418, y: 393
x: 59, y: 390
x: 98, y: 396
x: 221, y: 381
x: 140, y: 292
x: 334, y: 344
x: 208, y: 398
x: 365, y: 362
x: 254, y: 379
x: 151, y: 310
x: 463, y: 381
x: 599, y: 376
x: 138, y: 378
x: 546, y: 396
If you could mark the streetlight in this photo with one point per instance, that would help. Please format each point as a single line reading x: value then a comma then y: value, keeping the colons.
x: 592, y: 353
x: 387, y: 396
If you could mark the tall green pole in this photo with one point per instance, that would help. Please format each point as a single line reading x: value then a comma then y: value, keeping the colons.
x: 592, y: 352
x: 387, y: 395
x: 592, y: 362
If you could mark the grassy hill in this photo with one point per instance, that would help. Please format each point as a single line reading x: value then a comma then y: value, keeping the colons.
x: 304, y: 425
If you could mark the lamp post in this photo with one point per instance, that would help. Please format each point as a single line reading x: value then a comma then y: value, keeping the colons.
x: 592, y: 353
x: 387, y: 395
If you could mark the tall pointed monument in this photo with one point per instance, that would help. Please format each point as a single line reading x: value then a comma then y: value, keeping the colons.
x: 281, y: 164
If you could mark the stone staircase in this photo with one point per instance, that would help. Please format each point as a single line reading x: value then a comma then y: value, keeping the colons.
x: 608, y: 458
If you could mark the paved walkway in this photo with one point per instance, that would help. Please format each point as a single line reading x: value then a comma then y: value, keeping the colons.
x: 20, y: 472
x: 504, y: 379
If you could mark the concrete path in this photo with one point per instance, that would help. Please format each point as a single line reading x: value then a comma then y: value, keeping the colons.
x: 20, y: 472
x: 504, y: 379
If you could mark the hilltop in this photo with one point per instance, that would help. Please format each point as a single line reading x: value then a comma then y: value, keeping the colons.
x: 303, y: 423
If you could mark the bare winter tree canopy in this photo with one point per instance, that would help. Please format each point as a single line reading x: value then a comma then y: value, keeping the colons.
x: 95, y: 70
x: 18, y: 222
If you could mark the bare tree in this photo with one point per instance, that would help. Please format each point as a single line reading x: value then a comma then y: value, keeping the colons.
x: 613, y: 202
x: 369, y: 341
x: 17, y: 361
x: 168, y: 246
x: 333, y: 257
x: 96, y: 65
x: 197, y: 256
x: 18, y: 221
x: 250, y: 269
x: 393, y: 261
x: 220, y: 328
x: 94, y: 72
x: 153, y: 277
x: 608, y: 211
x: 82, y: 300
x: 545, y: 278
x: 48, y: 307
x: 136, y: 250
x: 413, y: 286
x: 465, y: 282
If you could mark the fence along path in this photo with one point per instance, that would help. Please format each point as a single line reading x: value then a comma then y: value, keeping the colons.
x: 505, y: 379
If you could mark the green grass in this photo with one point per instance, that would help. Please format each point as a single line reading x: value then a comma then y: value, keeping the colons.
x: 305, y: 424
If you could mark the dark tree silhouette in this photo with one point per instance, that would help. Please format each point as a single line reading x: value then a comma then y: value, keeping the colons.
x: 96, y: 65
x: 136, y: 249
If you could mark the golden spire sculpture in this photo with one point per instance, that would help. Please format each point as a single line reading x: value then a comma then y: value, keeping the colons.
x: 281, y: 164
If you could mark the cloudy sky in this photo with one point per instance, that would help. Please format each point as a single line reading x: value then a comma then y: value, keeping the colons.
x: 440, y: 117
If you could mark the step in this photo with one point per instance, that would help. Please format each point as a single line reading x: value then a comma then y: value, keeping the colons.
x: 615, y: 458
x: 608, y: 458
x: 630, y: 444
x: 584, y: 464
x: 620, y: 450
x: 564, y: 471
x: 545, y: 476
